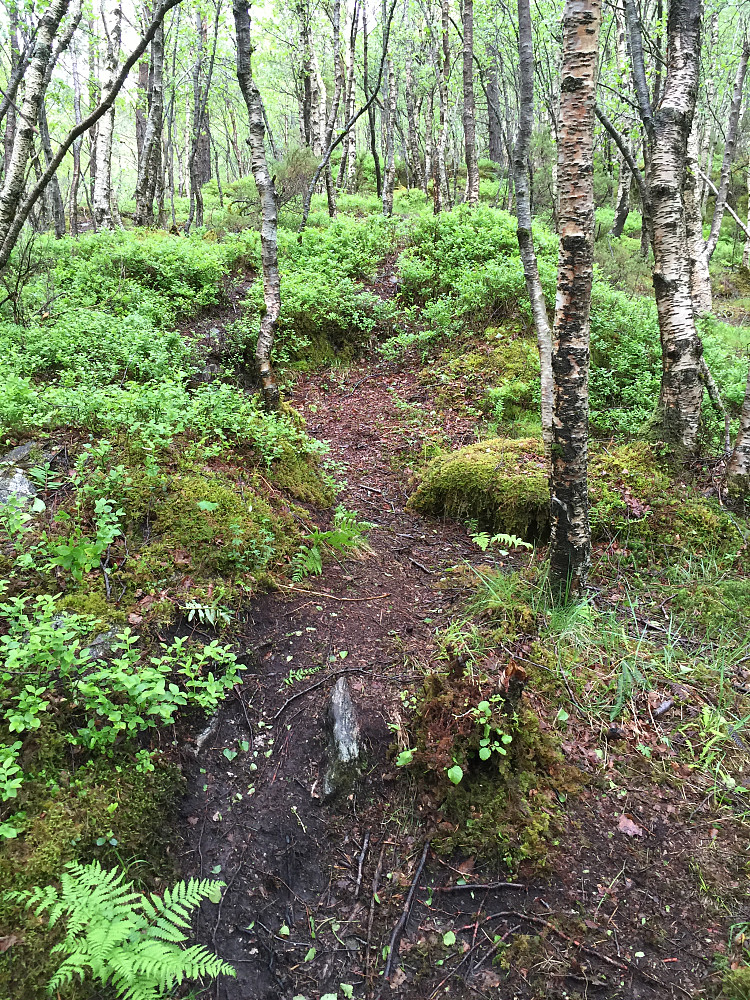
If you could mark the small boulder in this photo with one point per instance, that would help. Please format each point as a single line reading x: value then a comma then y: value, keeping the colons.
x: 100, y: 647
x: 345, y: 748
x: 15, y: 483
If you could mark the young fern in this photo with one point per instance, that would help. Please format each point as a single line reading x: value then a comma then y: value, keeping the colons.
x: 119, y: 937
x: 348, y: 535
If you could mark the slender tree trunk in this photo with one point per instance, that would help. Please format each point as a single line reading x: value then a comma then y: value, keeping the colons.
x: 103, y: 184
x: 624, y: 176
x: 429, y: 147
x: 390, y: 150
x: 570, y: 545
x: 268, y: 201
x: 149, y: 163
x: 729, y: 150
x: 443, y: 75
x: 681, y: 394
x: 15, y: 60
x: 412, y: 141
x: 523, y: 212
x: 469, y: 115
x: 94, y: 94
x: 371, y: 109
x: 494, y: 121
x: 746, y: 249
x: 15, y: 174
x: 738, y: 468
x: 76, y: 175
x: 338, y: 90
x: 700, y: 281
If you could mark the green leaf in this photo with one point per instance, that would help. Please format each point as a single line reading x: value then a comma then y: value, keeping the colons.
x: 562, y: 716
x: 284, y: 931
x: 485, y: 753
x: 404, y: 758
x: 207, y: 505
x: 455, y: 774
x: 230, y: 754
x: 449, y: 939
x: 347, y: 990
x: 311, y: 953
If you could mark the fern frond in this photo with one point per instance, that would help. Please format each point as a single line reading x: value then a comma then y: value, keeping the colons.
x: 119, y: 937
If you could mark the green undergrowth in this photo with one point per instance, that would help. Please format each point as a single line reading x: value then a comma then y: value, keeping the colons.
x: 509, y: 714
x: 502, y: 484
x: 327, y: 316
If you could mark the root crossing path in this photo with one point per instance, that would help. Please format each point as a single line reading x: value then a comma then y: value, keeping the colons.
x: 299, y: 915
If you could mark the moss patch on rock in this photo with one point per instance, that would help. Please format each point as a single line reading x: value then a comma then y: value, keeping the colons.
x: 502, y: 484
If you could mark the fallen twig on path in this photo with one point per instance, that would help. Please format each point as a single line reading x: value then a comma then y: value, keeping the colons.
x: 320, y: 683
x: 398, y: 930
x: 489, y: 885
x: 365, y: 845
x: 332, y: 597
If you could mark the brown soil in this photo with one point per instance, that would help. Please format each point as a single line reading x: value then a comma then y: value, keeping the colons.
x: 316, y: 889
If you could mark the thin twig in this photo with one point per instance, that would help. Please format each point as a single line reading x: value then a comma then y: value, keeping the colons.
x: 365, y: 845
x: 332, y: 597
x: 312, y: 687
x: 490, y: 885
x: 398, y: 930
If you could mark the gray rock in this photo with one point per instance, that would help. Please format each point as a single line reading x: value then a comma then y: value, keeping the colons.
x: 15, y: 483
x: 345, y: 748
x: 101, y: 645
x: 18, y: 455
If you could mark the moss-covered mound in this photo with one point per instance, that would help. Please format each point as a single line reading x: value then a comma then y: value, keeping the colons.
x: 502, y: 484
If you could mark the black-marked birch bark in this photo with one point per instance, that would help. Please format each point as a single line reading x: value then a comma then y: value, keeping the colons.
x: 570, y: 544
x: 523, y: 214
x: 469, y: 114
x: 268, y: 202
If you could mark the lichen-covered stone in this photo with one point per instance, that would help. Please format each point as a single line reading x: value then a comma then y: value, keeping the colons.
x: 345, y: 748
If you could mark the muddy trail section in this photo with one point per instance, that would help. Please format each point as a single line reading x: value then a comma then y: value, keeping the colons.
x: 346, y: 896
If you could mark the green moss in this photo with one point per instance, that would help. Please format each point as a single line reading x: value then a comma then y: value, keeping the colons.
x: 221, y: 525
x: 94, y: 603
x: 500, y: 483
x: 736, y: 984
x: 300, y: 476
x: 64, y: 818
x: 500, y: 373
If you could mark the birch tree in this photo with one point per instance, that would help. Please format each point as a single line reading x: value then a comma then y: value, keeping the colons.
x: 469, y: 116
x: 268, y: 202
x: 570, y: 544
x: 102, y: 202
x: 523, y: 213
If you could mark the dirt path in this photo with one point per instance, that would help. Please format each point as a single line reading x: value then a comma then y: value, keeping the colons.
x: 289, y: 860
x: 315, y: 889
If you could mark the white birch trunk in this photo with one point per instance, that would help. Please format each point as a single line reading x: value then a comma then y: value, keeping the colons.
x: 469, y: 115
x: 570, y: 543
x: 103, y: 184
x: 28, y: 114
x: 700, y: 282
x: 268, y: 201
x: 389, y: 178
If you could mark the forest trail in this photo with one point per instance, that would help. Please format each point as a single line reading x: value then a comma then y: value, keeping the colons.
x: 315, y: 889
x: 288, y: 859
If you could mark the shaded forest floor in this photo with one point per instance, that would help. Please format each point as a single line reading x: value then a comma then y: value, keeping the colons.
x: 640, y: 874
x: 550, y: 802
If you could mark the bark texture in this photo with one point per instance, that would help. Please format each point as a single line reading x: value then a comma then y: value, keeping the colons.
x: 729, y: 150
x: 150, y: 159
x: 681, y: 393
x: 28, y: 114
x: 738, y: 468
x: 570, y: 544
x: 469, y: 115
x: 102, y: 205
x: 389, y: 179
x: 268, y: 201
x: 523, y: 214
